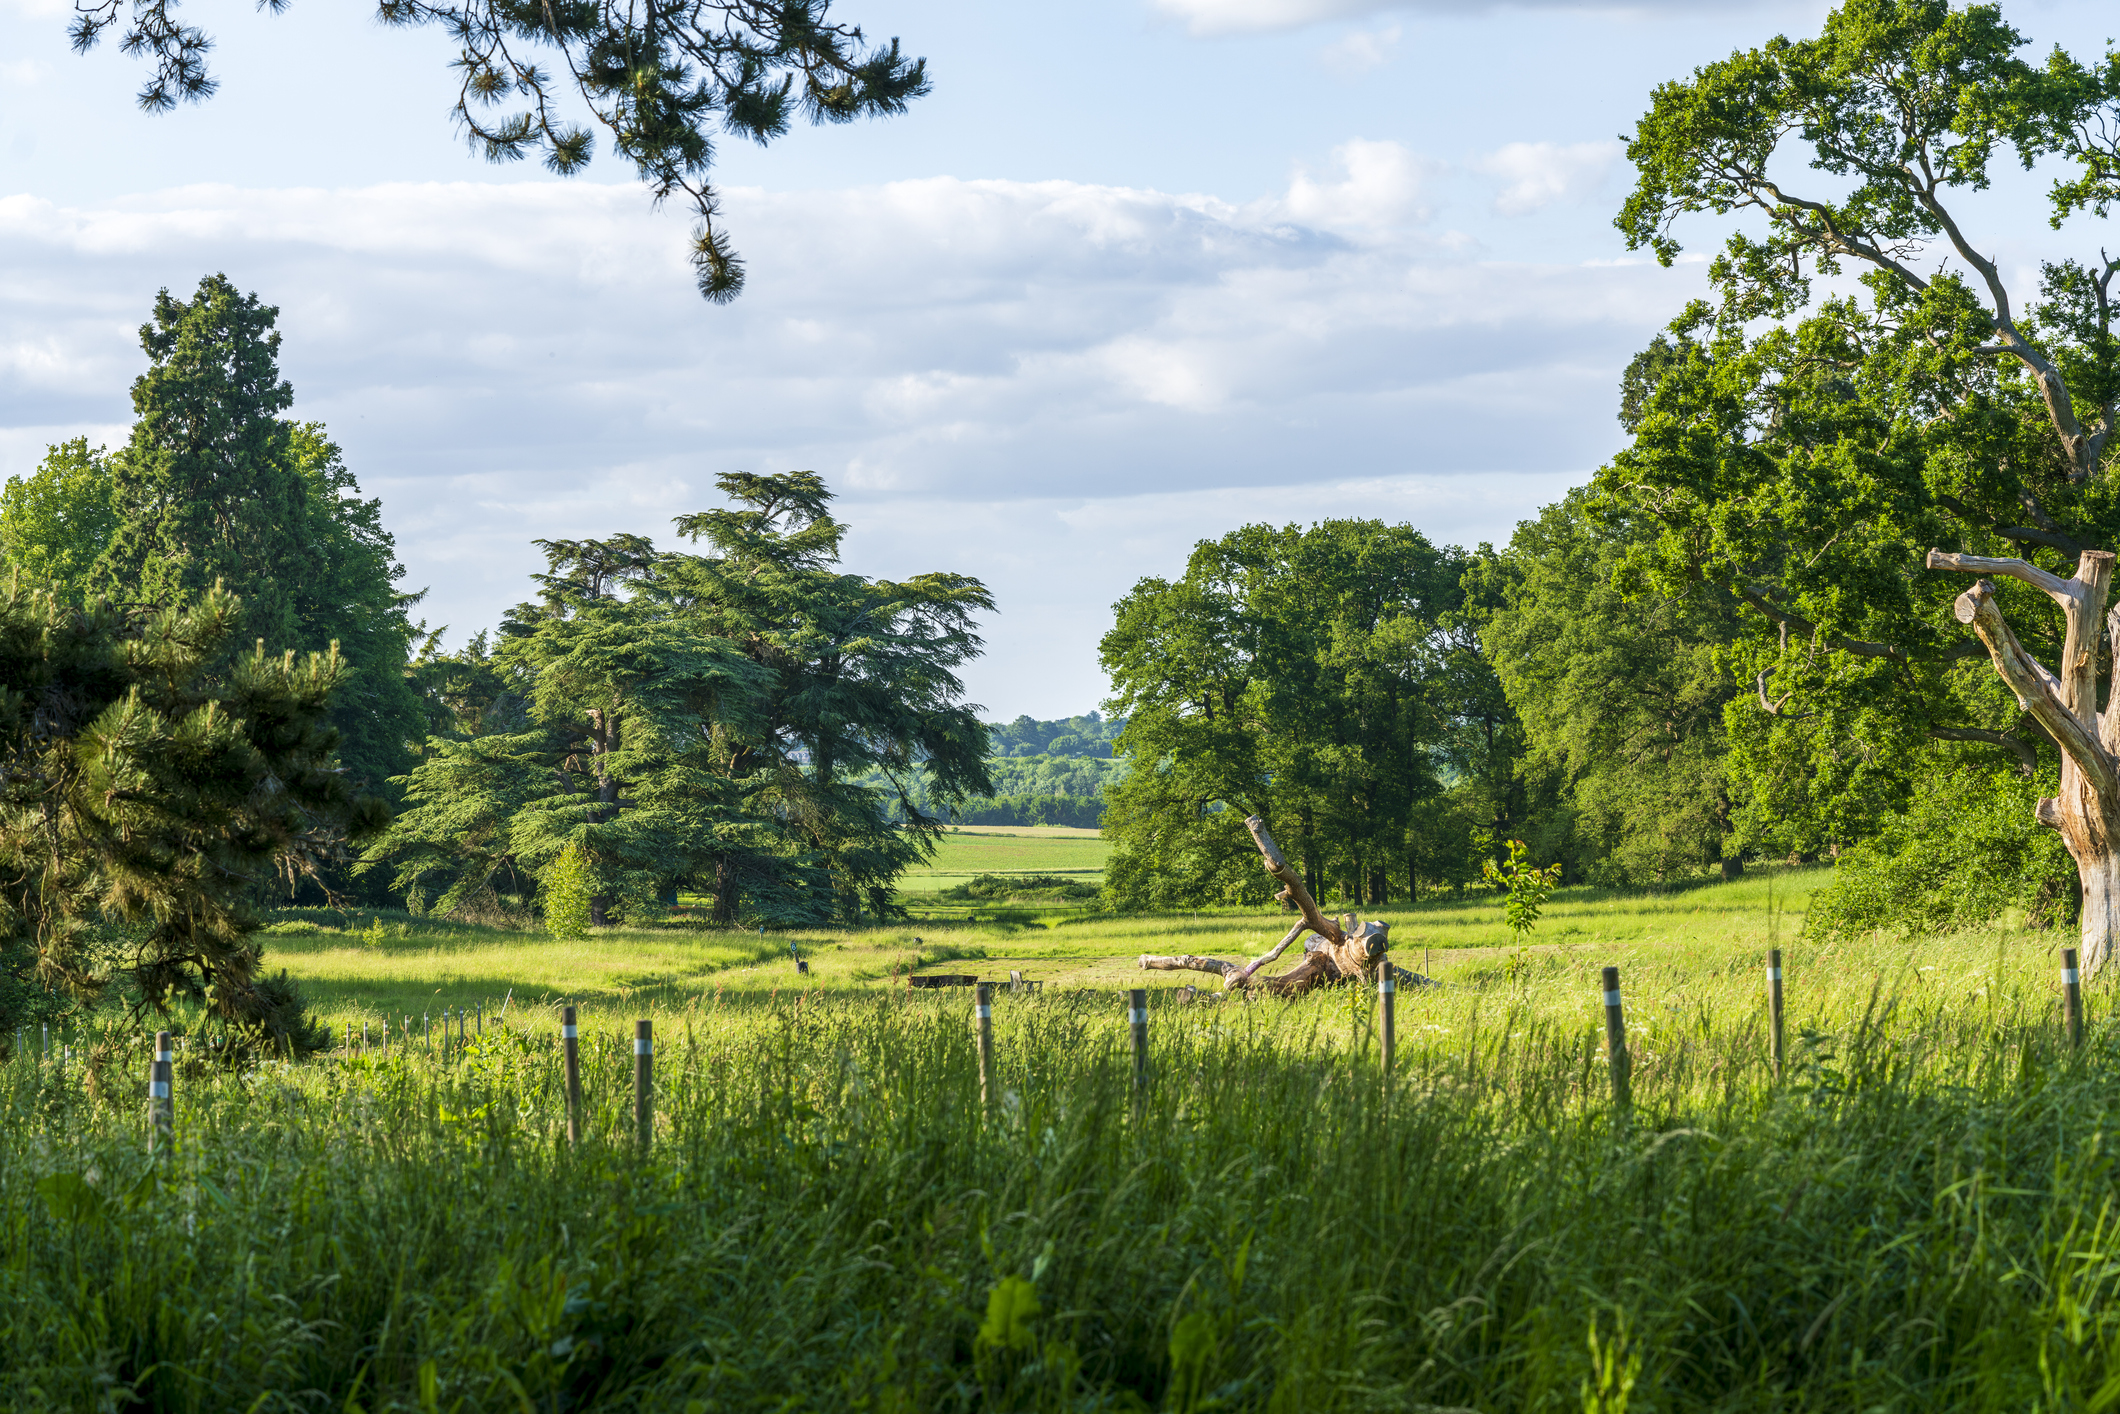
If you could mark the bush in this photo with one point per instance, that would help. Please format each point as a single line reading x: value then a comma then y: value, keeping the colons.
x: 1031, y: 888
x: 567, y: 886
x: 1965, y: 850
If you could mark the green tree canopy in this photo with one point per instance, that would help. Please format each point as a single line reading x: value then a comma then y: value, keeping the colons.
x: 1315, y: 678
x: 658, y: 81
x: 1802, y: 448
x: 56, y: 522
x: 157, y: 781
x: 213, y: 487
x: 746, y: 722
x: 1623, y: 696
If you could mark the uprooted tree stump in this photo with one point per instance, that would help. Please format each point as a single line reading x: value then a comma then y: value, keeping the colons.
x: 1341, y: 950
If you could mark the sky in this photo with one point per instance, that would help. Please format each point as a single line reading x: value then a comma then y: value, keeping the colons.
x: 1136, y: 273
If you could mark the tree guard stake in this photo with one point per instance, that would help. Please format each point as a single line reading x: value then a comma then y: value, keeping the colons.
x: 570, y: 1055
x: 1616, y: 1042
x: 983, y: 1012
x: 1387, y: 990
x: 1137, y: 1016
x: 644, y: 1082
x: 161, y: 1104
x: 2072, y: 997
x: 1774, y: 1033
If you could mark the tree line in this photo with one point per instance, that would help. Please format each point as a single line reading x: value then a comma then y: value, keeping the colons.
x: 213, y: 697
x: 1732, y: 644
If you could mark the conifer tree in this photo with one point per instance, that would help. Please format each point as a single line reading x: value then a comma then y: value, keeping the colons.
x: 863, y: 684
x: 214, y: 486
x: 155, y: 782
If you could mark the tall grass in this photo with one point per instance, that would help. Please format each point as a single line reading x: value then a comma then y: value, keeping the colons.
x: 1920, y: 1216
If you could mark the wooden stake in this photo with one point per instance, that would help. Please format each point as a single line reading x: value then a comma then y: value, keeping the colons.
x: 1137, y: 1014
x: 983, y: 1013
x: 570, y: 1054
x: 2072, y: 995
x: 644, y: 1081
x: 1387, y: 998
x: 1616, y: 1042
x: 1774, y: 1032
x: 161, y: 1104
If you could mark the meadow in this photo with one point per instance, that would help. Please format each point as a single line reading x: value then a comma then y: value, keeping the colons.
x: 1918, y: 1215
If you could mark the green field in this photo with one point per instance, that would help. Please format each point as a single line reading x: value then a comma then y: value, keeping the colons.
x: 963, y: 855
x: 421, y: 966
x: 1918, y: 1216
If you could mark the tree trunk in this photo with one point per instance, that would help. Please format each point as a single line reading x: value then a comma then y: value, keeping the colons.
x: 1732, y: 867
x: 726, y: 896
x: 2087, y: 810
x: 1345, y: 949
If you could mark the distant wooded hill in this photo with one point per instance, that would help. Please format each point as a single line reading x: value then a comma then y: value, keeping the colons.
x: 1045, y: 773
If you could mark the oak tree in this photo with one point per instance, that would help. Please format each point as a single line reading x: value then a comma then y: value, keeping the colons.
x: 1812, y: 442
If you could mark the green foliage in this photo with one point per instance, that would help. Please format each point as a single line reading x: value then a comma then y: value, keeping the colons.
x: 1010, y: 1309
x: 1527, y: 888
x: 1040, y: 888
x: 212, y: 488
x: 1964, y: 853
x: 567, y: 883
x: 1739, y: 1245
x: 1042, y: 773
x: 55, y: 524
x: 752, y: 723
x: 1319, y: 678
x: 1619, y: 691
x: 1802, y: 454
x: 156, y: 785
x: 661, y: 84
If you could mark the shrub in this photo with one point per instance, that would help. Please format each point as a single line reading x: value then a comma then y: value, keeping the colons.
x: 1965, y: 849
x: 567, y: 886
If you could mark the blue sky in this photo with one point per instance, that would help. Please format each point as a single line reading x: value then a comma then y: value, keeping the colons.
x: 1138, y: 272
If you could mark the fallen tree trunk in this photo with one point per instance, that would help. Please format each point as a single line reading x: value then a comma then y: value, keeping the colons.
x: 1341, y: 949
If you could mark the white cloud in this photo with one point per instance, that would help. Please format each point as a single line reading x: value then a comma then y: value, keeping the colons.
x: 1537, y: 174
x: 1205, y: 17
x: 1218, y: 17
x: 1361, y: 51
x: 1368, y: 186
x: 998, y: 376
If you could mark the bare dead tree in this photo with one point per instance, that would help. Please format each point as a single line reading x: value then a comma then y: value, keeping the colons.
x: 1345, y: 949
x: 2087, y: 811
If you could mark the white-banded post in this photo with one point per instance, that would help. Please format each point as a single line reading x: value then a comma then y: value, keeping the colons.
x: 1616, y: 1042
x: 644, y: 1081
x: 571, y: 1065
x: 1137, y: 1018
x: 1774, y: 1031
x: 983, y: 1018
x: 2072, y: 996
x: 161, y: 1104
x: 1387, y: 997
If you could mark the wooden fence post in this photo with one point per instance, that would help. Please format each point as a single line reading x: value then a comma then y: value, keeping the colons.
x: 644, y: 1081
x: 1774, y: 1031
x: 2072, y: 996
x: 161, y: 1104
x: 1616, y: 1042
x: 1387, y: 999
x: 1137, y: 1016
x: 983, y: 1015
x: 570, y: 1056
